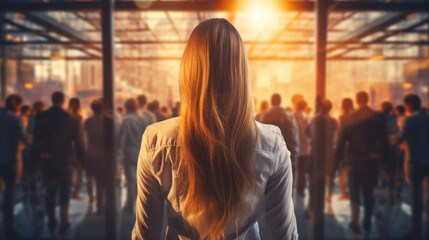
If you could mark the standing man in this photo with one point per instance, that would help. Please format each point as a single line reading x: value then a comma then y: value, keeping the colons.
x: 365, y: 134
x: 304, y: 148
x: 142, y: 100
x: 56, y: 141
x: 133, y: 127
x: 11, y: 133
x: 279, y: 117
x: 415, y: 132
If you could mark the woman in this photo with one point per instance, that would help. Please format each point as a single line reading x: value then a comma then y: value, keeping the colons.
x: 76, y: 113
x: 216, y: 167
x: 346, y: 109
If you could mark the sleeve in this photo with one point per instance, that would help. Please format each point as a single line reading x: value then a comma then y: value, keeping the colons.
x: 280, y: 215
x: 150, y: 199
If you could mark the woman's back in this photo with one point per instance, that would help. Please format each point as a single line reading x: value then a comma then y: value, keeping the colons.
x: 214, y: 164
x: 156, y: 182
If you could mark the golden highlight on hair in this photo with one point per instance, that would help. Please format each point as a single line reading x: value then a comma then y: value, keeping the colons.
x: 217, y: 129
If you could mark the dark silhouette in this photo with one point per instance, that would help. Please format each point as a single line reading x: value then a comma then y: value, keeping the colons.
x: 286, y: 122
x: 11, y: 133
x: 302, y: 121
x: 133, y: 127
x: 76, y: 114
x: 142, y: 100
x: 175, y: 111
x: 347, y: 108
x: 364, y: 139
x: 415, y: 131
x: 262, y: 108
x: 322, y: 131
x: 154, y: 108
x: 389, y: 168
x: 95, y: 164
x: 56, y: 142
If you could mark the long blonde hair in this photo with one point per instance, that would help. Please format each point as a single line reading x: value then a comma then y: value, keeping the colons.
x: 217, y: 131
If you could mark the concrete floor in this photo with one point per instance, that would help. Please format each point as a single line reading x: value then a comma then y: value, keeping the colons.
x: 389, y: 222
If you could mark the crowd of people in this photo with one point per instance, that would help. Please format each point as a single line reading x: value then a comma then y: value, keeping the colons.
x: 363, y: 148
x: 56, y: 148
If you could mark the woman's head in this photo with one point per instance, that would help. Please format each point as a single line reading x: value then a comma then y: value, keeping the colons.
x: 74, y: 106
x: 217, y: 129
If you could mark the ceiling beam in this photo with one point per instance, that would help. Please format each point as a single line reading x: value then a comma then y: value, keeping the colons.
x: 53, y: 25
x: 42, y: 34
x: 267, y: 58
x: 210, y: 6
x: 389, y: 34
x: 378, y: 24
x: 259, y: 42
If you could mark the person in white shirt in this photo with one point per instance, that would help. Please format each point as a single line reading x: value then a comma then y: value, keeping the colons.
x: 216, y: 167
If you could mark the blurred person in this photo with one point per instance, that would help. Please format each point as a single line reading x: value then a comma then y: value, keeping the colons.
x: 154, y: 108
x: 389, y: 168
x: 95, y: 152
x: 322, y: 132
x: 31, y: 170
x: 116, y: 116
x: 262, y: 108
x: 415, y: 131
x: 175, y: 111
x: 11, y: 134
x: 213, y: 182
x: 283, y: 119
x: 57, y: 141
x: 24, y: 113
x: 75, y: 112
x: 121, y: 110
x: 402, y: 165
x: 364, y: 139
x: 347, y: 108
x: 142, y: 100
x: 296, y: 98
x: 130, y: 137
x: 164, y: 110
x: 26, y: 164
x: 304, y: 148
x: 308, y: 111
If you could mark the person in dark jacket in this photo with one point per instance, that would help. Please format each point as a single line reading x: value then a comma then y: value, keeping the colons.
x: 11, y: 134
x: 415, y: 131
x: 279, y: 117
x: 322, y: 131
x: 56, y: 142
x: 365, y: 133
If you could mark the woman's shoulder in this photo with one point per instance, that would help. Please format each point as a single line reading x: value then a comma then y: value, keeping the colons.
x: 162, y: 134
x: 270, y: 138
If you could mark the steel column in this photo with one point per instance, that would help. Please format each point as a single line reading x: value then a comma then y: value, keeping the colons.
x: 320, y: 46
x: 107, y: 16
x: 3, y: 62
x: 317, y: 180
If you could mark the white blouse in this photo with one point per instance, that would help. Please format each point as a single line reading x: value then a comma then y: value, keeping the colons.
x: 273, y: 172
